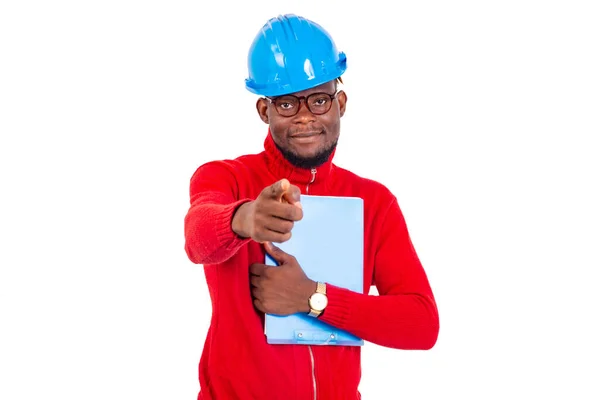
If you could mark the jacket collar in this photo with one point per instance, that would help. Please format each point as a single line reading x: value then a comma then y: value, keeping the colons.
x: 282, y: 168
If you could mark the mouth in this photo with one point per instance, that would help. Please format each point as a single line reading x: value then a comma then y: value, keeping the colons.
x: 303, y: 135
x: 306, y: 138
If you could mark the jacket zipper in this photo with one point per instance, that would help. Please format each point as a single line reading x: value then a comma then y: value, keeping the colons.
x: 313, y: 171
x: 314, y: 376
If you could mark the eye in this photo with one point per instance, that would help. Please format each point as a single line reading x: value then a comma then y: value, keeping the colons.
x: 321, y: 101
x: 286, y: 103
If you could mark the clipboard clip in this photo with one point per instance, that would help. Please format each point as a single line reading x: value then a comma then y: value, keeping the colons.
x: 309, y: 336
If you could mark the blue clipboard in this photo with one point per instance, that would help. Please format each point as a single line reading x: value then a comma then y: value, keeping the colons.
x: 328, y: 244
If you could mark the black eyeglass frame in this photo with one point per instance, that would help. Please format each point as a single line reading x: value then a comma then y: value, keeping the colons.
x: 300, y: 99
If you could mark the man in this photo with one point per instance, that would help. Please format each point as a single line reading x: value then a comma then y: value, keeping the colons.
x: 240, y: 207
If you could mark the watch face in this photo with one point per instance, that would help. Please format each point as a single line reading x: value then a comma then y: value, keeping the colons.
x: 318, y: 301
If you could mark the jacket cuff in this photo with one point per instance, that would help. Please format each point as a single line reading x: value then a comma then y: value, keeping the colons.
x: 338, y: 306
x: 227, y: 238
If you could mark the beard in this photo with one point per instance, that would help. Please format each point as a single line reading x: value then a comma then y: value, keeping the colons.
x: 308, y: 162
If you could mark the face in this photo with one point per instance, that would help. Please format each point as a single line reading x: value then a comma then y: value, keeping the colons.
x: 305, y: 139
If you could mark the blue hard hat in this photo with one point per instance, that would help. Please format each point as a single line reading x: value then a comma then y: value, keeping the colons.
x: 290, y: 54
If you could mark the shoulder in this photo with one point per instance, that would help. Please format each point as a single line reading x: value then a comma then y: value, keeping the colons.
x: 381, y: 205
x: 233, y: 167
x: 367, y: 188
x: 225, y: 175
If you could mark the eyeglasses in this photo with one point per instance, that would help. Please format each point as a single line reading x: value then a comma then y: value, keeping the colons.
x: 289, y: 105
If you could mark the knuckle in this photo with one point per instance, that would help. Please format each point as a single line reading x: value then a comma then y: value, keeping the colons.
x: 287, y: 226
x: 257, y: 236
x: 266, y: 209
x: 290, y: 213
x: 267, y: 305
x: 259, y: 208
x: 260, y: 231
x: 267, y: 190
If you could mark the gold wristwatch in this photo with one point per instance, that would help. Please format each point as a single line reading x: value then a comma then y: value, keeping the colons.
x: 318, y: 300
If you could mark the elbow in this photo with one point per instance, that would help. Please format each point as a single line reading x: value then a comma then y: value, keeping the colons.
x: 196, y: 247
x: 426, y: 331
x: 203, y: 246
x: 419, y: 335
x: 422, y: 337
x: 430, y: 336
x: 197, y: 250
x: 193, y: 255
x: 199, y: 254
x: 431, y: 330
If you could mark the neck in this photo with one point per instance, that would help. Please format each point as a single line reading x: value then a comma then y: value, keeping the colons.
x: 302, y: 175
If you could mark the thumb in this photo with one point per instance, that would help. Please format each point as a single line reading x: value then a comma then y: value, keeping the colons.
x: 277, y: 189
x: 278, y: 255
x: 292, y: 196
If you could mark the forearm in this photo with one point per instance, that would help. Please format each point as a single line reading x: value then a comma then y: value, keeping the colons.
x: 209, y: 237
x: 404, y: 315
x: 402, y: 321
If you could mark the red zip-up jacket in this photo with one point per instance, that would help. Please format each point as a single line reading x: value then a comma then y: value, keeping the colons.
x: 236, y: 362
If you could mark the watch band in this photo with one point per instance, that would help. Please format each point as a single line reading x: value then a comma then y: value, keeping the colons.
x: 321, y: 288
x: 314, y: 313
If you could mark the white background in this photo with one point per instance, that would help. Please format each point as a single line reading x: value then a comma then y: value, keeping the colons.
x: 480, y: 116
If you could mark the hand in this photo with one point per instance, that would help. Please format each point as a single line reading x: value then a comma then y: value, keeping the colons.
x: 271, y: 217
x: 280, y: 290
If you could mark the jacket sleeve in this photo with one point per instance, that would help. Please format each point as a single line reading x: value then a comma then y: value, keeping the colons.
x: 404, y: 315
x: 214, y: 200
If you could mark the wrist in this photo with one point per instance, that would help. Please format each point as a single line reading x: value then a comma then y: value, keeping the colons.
x: 239, y: 219
x: 309, y: 288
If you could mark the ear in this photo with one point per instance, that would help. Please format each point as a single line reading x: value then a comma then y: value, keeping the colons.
x: 262, y: 107
x: 342, y: 99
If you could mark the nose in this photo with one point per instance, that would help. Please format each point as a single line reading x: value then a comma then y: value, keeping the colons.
x: 304, y: 115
